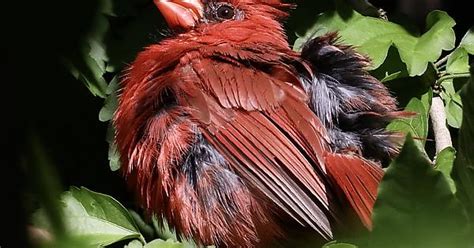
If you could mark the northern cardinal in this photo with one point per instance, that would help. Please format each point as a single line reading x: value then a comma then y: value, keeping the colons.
x: 228, y: 133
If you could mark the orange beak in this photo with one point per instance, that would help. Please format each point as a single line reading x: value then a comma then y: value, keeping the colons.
x: 181, y: 14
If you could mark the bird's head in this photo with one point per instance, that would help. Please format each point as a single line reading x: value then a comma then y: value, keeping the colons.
x: 189, y: 14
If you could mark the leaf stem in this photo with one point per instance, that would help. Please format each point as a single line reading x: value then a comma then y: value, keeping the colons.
x: 453, y: 76
x: 438, y: 118
x: 442, y: 61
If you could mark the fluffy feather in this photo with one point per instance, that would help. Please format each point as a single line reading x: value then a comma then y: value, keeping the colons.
x: 228, y: 133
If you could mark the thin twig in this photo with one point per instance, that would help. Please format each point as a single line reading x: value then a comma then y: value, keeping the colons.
x: 438, y: 119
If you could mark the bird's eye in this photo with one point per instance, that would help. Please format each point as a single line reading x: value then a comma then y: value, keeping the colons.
x: 225, y: 12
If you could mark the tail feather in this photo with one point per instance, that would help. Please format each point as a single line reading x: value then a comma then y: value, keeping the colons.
x: 358, y: 180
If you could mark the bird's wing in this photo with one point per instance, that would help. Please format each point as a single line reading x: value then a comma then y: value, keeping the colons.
x: 266, y: 132
x: 357, y: 179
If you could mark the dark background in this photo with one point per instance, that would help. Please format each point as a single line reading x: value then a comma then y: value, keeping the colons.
x: 41, y: 98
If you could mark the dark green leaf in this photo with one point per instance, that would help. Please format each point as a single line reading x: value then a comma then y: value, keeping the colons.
x: 85, y: 69
x: 365, y: 8
x: 302, y: 18
x: 146, y: 229
x: 444, y: 163
x: 111, y: 102
x: 392, y: 68
x: 415, y: 206
x: 409, y: 87
x: 128, y: 36
x: 463, y: 170
x: 373, y: 36
x: 120, y: 29
x: 89, y: 63
x: 46, y: 186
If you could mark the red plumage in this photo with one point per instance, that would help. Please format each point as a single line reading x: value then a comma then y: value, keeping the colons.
x: 217, y: 134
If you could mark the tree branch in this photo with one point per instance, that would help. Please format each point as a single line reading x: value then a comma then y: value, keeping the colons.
x: 438, y: 119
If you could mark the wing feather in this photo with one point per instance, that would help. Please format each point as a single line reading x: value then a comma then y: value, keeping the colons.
x: 358, y: 180
x: 266, y: 131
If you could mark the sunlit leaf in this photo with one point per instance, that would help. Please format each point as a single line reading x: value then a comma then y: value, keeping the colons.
x: 467, y: 41
x: 458, y: 61
x: 417, y: 125
x: 374, y: 36
x: 96, y: 218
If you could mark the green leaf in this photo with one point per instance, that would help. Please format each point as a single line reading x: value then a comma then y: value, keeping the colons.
x: 453, y: 113
x: 452, y: 103
x: 417, y: 126
x: 162, y: 229
x: 467, y: 41
x: 374, y: 36
x: 88, y: 64
x: 85, y: 69
x: 444, y: 163
x: 335, y: 244
x: 166, y: 233
x: 449, y: 92
x: 120, y: 29
x: 415, y: 206
x: 392, y: 68
x: 67, y: 242
x: 145, y: 229
x: 159, y: 243
x: 111, y: 102
x: 96, y: 218
x: 458, y: 61
x: 463, y: 170
x: 113, y: 153
x: 134, y: 244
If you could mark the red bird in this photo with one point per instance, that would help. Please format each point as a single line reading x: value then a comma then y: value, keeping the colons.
x: 230, y: 135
